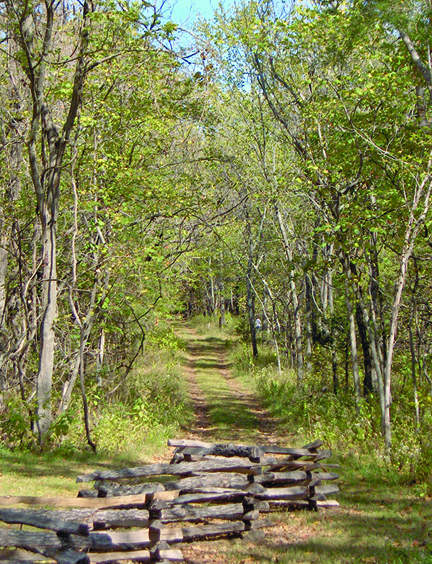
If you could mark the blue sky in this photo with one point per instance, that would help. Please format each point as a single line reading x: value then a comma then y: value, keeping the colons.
x: 185, y: 12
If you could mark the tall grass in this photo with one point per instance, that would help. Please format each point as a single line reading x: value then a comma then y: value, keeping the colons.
x: 316, y: 412
x: 133, y: 415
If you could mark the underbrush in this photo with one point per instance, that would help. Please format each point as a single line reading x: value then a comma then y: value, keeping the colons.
x: 316, y: 412
x: 132, y: 416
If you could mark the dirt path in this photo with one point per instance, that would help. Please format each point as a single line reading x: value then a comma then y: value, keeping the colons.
x: 378, y: 522
x: 225, y: 410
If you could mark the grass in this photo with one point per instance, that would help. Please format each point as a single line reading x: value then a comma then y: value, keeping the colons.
x: 385, y: 517
x: 378, y: 523
x: 52, y: 474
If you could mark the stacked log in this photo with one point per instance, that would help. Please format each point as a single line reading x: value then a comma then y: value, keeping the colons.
x: 206, y: 491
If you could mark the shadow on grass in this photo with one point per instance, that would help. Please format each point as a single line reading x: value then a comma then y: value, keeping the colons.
x: 231, y: 412
x: 208, y: 363
x: 33, y: 465
x: 366, y: 532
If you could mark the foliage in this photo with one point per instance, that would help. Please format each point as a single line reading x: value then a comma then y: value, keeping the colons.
x: 316, y: 412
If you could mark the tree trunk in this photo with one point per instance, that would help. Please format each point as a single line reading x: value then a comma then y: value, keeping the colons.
x: 309, y: 321
x: 353, y: 342
x: 413, y: 364
x: 411, y: 233
x: 250, y: 304
x: 47, y: 336
x: 295, y: 301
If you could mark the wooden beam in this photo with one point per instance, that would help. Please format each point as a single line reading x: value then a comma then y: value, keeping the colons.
x: 52, y: 523
x: 97, y: 503
x: 182, y: 469
x: 105, y: 558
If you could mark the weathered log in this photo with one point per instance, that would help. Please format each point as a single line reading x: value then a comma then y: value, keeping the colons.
x: 182, y: 469
x: 99, y: 519
x: 127, y: 540
x: 105, y: 558
x: 327, y: 476
x: 111, y: 519
x: 301, y: 503
x: 322, y: 455
x: 251, y: 515
x: 66, y: 556
x: 254, y: 469
x: 23, y: 517
x: 113, y: 540
x: 288, y: 465
x: 192, y: 513
x: 155, y: 528
x: 209, y: 494
x: 109, y: 489
x: 327, y: 490
x: 30, y: 540
x: 314, y: 445
x: 254, y: 453
x: 230, y: 480
x: 193, y: 533
x: 327, y: 465
x: 185, y: 485
x: 171, y: 555
x: 98, y: 503
x: 250, y: 503
x: 260, y: 524
x: 253, y: 488
x: 157, y: 547
x: 19, y: 555
x: 162, y: 551
x: 69, y: 556
x: 88, y: 493
x: 292, y: 452
x: 182, y: 444
x: 292, y: 477
x: 269, y: 478
x: 295, y: 492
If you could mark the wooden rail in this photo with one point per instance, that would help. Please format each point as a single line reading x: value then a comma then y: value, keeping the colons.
x: 206, y: 491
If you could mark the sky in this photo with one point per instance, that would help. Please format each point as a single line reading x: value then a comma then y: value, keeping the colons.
x: 186, y: 12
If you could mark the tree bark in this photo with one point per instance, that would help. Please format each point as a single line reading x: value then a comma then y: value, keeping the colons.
x: 250, y: 304
x: 46, y: 149
x: 295, y: 300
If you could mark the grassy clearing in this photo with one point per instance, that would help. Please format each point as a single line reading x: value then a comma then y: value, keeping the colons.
x: 52, y: 474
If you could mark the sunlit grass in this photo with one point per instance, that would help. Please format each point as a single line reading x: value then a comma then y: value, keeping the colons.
x: 384, y: 517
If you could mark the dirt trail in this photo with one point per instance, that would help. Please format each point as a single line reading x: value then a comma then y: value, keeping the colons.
x: 225, y: 410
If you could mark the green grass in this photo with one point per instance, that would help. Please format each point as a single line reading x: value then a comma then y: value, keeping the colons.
x: 380, y: 522
x: 53, y: 474
x: 385, y: 514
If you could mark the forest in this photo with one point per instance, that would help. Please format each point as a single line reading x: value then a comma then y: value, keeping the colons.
x: 273, y: 162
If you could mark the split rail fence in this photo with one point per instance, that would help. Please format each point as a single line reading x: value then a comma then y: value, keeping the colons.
x: 206, y: 491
